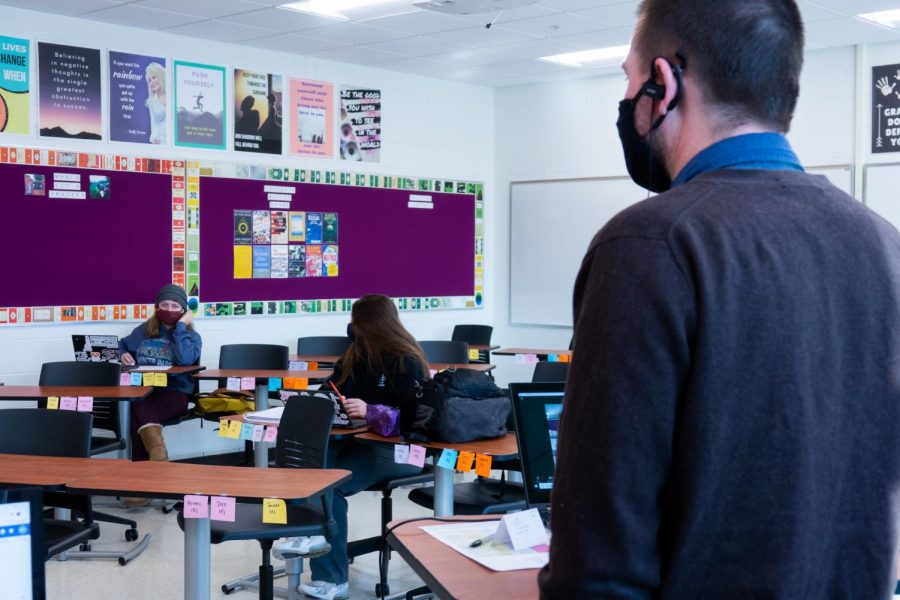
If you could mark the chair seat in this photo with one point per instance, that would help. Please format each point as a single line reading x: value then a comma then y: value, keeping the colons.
x: 482, y: 496
x: 61, y: 535
x: 102, y: 445
x: 426, y: 476
x: 303, y: 519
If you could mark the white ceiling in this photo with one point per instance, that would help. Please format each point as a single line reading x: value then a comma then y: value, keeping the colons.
x: 425, y: 42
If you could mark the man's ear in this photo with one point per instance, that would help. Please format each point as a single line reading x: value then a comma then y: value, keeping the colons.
x: 664, y: 75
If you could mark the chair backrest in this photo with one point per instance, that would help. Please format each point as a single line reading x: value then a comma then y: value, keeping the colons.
x: 304, y: 432
x: 443, y: 351
x: 323, y: 344
x: 253, y: 356
x: 473, y: 334
x: 39, y: 432
x: 550, y: 371
x: 106, y: 412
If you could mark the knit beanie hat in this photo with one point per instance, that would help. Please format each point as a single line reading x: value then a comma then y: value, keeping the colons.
x: 174, y: 293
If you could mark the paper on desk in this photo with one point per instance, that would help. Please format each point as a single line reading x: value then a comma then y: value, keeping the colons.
x: 494, y: 556
x: 152, y: 368
x: 265, y: 417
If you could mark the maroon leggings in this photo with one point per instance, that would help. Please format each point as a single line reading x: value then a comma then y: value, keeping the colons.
x: 160, y: 406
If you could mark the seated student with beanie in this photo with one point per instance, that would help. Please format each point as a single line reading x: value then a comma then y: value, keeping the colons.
x: 167, y: 338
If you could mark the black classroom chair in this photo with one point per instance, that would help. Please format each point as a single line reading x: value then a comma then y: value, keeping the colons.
x: 550, y: 371
x: 479, y: 335
x: 444, y: 351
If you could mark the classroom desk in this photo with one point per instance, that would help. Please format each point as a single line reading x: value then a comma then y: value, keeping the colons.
x: 541, y: 353
x: 51, y: 471
x: 175, y: 480
x: 337, y: 433
x: 449, y: 574
x: 483, y: 367
x: 325, y: 358
x: 173, y: 370
x: 261, y: 395
x: 504, y: 447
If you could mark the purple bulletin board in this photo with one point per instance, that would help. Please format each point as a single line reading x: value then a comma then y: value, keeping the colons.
x: 384, y: 245
x: 65, y: 251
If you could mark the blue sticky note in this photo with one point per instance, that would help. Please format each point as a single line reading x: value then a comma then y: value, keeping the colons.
x: 137, y: 379
x: 552, y: 358
x: 275, y: 384
x: 247, y: 431
x: 448, y: 459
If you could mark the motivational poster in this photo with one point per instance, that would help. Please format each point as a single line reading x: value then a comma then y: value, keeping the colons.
x: 15, y: 85
x: 137, y: 98
x: 312, y: 123
x: 199, y: 105
x: 70, y: 99
x: 257, y: 112
x: 886, y: 108
x: 359, y: 134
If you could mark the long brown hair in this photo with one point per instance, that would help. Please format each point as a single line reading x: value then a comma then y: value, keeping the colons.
x: 379, y: 335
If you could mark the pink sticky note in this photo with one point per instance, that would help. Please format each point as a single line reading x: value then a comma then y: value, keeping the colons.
x: 68, y: 403
x: 125, y: 379
x: 433, y: 372
x: 222, y: 509
x: 271, y: 434
x: 248, y: 383
x: 196, y: 507
x: 258, y: 432
x: 416, y: 455
x: 85, y: 403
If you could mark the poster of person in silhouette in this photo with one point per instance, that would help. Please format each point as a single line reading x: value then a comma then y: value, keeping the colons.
x: 70, y: 99
x: 199, y: 105
x: 257, y: 112
x: 137, y: 98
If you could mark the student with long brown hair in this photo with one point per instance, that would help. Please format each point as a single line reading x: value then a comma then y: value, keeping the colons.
x: 380, y: 367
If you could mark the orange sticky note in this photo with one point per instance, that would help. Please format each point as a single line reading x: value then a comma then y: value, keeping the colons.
x: 312, y: 365
x: 53, y: 402
x: 274, y: 511
x: 160, y: 380
x: 565, y: 358
x: 465, y: 460
x: 483, y: 465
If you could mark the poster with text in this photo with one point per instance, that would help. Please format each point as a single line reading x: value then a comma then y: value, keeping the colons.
x: 137, y: 98
x: 69, y: 83
x: 312, y: 122
x: 886, y: 108
x: 15, y: 84
x: 257, y: 112
x: 359, y: 134
x: 199, y: 105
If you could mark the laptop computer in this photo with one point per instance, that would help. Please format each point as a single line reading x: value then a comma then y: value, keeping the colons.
x: 96, y: 348
x: 537, y: 408
x: 341, y: 419
x: 21, y: 544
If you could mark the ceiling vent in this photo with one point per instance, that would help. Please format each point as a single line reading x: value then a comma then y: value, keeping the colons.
x: 471, y: 7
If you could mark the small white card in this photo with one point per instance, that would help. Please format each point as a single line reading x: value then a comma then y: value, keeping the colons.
x: 401, y: 454
x: 233, y: 384
x: 522, y: 529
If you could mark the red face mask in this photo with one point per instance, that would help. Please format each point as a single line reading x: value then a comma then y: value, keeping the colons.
x: 169, y: 317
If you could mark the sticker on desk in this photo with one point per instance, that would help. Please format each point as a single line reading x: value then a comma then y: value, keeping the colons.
x: 401, y: 454
x: 125, y: 379
x: 224, y: 427
x: 553, y: 358
x: 296, y: 383
x: 274, y: 511
x: 483, y: 465
x: 271, y: 434
x: 247, y: 431
x: 137, y: 379
x: 68, y: 403
x: 274, y: 384
x: 565, y: 358
x: 248, y: 383
x: 464, y: 463
x: 433, y: 372
x: 474, y: 354
x: 222, y: 509
x: 85, y: 403
x: 148, y: 379
x: 298, y: 365
x: 312, y: 365
x: 416, y: 456
x: 196, y: 507
x: 53, y: 402
x: 233, y: 384
x: 523, y: 529
x: 160, y: 379
x: 448, y: 459
x: 234, y: 430
x: 258, y: 432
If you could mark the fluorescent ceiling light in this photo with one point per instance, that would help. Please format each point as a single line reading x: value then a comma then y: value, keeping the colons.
x: 330, y: 8
x: 589, y: 58
x: 890, y: 18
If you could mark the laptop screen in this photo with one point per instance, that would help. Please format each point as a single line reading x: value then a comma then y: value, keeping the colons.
x: 538, y: 408
x: 96, y: 348
x: 21, y: 544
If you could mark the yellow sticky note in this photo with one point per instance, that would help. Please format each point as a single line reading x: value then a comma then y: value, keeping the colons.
x: 149, y: 379
x: 234, y: 430
x: 53, y: 403
x: 483, y: 465
x: 224, y: 426
x: 473, y: 354
x: 274, y: 511
x: 160, y: 379
x: 465, y: 460
x: 243, y: 262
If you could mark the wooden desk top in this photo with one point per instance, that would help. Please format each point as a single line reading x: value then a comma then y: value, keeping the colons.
x: 482, y: 347
x: 174, y: 370
x: 474, y: 366
x: 501, y: 447
x: 538, y: 351
x: 336, y: 432
x: 450, y: 574
x: 262, y: 373
x: 173, y: 480
x: 47, y: 471
x: 328, y: 358
x: 125, y: 392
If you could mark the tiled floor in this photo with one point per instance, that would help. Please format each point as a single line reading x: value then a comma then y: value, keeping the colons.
x: 159, y: 572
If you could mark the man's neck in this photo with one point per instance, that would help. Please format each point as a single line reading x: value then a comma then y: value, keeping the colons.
x: 688, y: 146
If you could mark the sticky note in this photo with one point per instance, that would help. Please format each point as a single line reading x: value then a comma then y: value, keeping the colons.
x: 297, y: 365
x: 483, y: 465
x: 137, y: 379
x: 196, y: 507
x: 160, y: 379
x: 271, y: 434
x: 68, y: 403
x: 248, y: 383
x: 85, y: 403
x: 464, y: 463
x: 224, y: 427
x: 247, y: 431
x: 448, y: 459
x: 473, y: 354
x: 531, y: 359
x: 401, y: 454
x: 274, y: 384
x: 432, y: 372
x: 296, y: 383
x: 520, y: 359
x: 312, y: 365
x: 274, y: 511
x: 53, y: 403
x: 234, y: 430
x: 125, y: 379
x: 258, y: 432
x: 416, y: 455
x: 233, y: 384
x: 222, y: 509
x: 149, y: 379
x: 565, y: 358
x: 552, y: 358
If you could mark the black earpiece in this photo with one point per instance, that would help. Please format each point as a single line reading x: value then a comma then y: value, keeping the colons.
x: 657, y: 91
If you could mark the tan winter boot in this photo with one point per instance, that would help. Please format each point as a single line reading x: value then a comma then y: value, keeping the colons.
x: 152, y: 438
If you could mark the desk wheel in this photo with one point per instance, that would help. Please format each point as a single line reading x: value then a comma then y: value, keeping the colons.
x: 227, y: 590
x: 382, y: 590
x: 131, y: 534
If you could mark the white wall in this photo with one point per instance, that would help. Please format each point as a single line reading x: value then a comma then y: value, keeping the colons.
x: 432, y: 128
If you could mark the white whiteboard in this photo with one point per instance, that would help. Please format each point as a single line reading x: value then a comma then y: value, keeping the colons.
x: 882, y: 191
x: 551, y: 225
x: 841, y: 176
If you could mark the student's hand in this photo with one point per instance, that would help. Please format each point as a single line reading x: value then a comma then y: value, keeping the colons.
x: 188, y: 317
x: 127, y: 359
x: 356, y: 408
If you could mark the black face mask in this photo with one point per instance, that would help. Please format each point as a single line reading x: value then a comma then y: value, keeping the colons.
x: 350, y: 333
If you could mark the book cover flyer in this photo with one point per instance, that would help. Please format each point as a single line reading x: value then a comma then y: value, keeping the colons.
x: 15, y: 85
x: 257, y: 112
x: 243, y: 226
x: 199, y: 105
x: 262, y: 262
x: 137, y: 98
x: 279, y: 226
x: 279, y: 261
x: 312, y: 118
x: 297, y: 261
x: 359, y: 134
x: 70, y: 96
x: 262, y: 227
x: 243, y: 262
x: 313, y: 228
x: 330, y: 261
x: 313, y: 261
x: 330, y: 228
x: 297, y: 228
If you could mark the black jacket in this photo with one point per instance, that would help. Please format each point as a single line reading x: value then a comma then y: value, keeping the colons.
x: 388, y: 388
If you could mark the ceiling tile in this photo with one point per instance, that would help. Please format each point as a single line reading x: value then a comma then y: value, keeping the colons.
x: 536, y: 48
x: 813, y: 12
x: 479, y: 37
x: 580, y: 4
x: 202, y: 8
x: 62, y: 7
x: 353, y: 33
x: 622, y: 15
x: 511, y: 80
x: 478, y: 75
x: 557, y: 25
x: 621, y: 36
x: 218, y: 30
x: 513, y: 14
x: 857, y: 6
x: 135, y: 16
x: 292, y: 43
x: 532, y: 67
x: 472, y: 57
x: 417, y: 66
x: 279, y: 19
x: 417, y: 46
x: 361, y: 55
x: 419, y: 22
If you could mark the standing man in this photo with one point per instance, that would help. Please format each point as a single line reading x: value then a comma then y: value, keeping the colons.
x: 732, y: 418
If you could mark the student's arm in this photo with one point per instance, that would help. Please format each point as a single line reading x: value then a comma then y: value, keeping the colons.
x: 633, y: 314
x: 131, y: 342
x: 187, y: 344
x: 404, y: 380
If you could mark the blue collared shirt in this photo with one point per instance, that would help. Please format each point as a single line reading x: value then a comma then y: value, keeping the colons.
x: 747, y: 151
